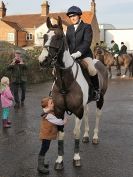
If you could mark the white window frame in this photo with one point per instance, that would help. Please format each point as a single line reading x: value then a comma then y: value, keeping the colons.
x: 10, y: 37
x: 29, y: 36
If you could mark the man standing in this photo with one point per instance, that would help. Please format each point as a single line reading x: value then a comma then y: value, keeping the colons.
x: 123, y: 49
x: 18, y: 73
x: 79, y: 39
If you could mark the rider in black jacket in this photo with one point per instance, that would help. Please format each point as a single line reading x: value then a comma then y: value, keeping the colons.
x: 79, y: 38
x: 123, y: 49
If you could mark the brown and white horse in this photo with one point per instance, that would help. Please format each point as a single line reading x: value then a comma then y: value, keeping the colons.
x: 107, y: 58
x: 70, y: 91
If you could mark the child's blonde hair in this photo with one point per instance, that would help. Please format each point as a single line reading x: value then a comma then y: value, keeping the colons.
x: 5, y: 80
x: 44, y: 101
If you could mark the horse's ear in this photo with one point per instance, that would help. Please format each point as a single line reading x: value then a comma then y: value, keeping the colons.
x: 49, y: 24
x: 60, y: 23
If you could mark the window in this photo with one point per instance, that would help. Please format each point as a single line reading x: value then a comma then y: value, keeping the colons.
x: 29, y: 36
x: 10, y: 37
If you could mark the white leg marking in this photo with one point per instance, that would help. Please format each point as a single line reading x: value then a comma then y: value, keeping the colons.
x: 76, y: 156
x: 86, y: 112
x: 77, y: 128
x: 98, y: 116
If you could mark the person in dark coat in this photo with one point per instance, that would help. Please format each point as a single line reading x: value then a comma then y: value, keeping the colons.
x: 18, y: 74
x: 123, y: 49
x: 114, y: 49
x: 79, y: 38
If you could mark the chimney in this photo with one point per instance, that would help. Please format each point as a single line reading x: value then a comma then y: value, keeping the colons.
x: 45, y: 8
x: 2, y: 9
x: 93, y: 6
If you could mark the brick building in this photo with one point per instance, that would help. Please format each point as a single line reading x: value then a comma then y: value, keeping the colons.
x: 28, y: 29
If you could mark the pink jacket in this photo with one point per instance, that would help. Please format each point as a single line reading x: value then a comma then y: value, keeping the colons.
x: 6, y: 98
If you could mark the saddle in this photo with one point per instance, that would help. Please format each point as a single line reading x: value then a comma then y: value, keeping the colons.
x: 92, y: 96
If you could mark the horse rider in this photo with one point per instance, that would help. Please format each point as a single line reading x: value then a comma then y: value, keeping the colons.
x: 114, y: 48
x: 115, y: 51
x: 79, y: 38
x: 103, y: 45
x: 123, y: 49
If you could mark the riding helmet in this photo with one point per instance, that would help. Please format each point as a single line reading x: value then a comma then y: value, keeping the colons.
x: 74, y: 10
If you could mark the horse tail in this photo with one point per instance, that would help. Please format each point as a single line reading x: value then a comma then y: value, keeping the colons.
x: 131, y: 66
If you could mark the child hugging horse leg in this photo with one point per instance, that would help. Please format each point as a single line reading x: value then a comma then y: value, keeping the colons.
x: 48, y: 131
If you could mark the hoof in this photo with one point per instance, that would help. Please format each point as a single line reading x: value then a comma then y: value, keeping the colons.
x: 123, y: 76
x: 77, y: 163
x: 85, y: 139
x: 59, y: 166
x: 95, y: 141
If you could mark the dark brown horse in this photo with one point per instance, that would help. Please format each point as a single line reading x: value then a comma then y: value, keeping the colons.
x: 70, y: 90
x: 107, y: 58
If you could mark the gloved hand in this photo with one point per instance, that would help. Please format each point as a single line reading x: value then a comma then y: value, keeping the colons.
x: 76, y: 55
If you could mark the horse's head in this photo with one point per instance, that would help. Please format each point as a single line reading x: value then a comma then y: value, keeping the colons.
x: 53, y: 44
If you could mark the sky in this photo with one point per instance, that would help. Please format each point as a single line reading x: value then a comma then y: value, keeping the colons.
x: 116, y: 12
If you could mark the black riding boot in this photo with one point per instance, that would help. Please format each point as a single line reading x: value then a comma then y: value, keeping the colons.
x: 41, y: 167
x: 95, y: 83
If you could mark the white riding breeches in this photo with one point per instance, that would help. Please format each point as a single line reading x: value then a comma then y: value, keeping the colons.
x: 91, y: 68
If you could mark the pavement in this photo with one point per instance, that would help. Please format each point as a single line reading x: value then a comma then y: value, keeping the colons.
x: 112, y: 157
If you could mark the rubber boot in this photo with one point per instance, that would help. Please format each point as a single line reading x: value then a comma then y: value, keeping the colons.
x: 41, y: 168
x: 96, y: 92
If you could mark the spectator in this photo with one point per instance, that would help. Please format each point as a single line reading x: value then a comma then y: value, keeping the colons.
x: 6, y: 101
x: 18, y: 72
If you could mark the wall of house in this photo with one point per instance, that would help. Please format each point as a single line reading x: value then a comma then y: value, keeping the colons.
x: 96, y: 32
x: 39, y: 32
x: 21, y: 35
x: 5, y: 30
x: 120, y: 35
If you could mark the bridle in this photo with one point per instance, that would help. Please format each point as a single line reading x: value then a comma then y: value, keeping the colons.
x: 54, y: 63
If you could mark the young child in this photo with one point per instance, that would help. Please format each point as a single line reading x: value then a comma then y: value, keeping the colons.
x: 6, y: 101
x: 48, y: 131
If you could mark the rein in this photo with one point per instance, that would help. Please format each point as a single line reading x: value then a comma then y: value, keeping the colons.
x: 63, y: 90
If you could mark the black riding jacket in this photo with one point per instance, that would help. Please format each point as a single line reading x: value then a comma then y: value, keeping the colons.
x: 80, y: 40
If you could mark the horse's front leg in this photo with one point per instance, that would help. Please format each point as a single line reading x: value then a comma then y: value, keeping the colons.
x: 59, y: 162
x: 86, y: 123
x: 76, y: 159
x: 96, y: 129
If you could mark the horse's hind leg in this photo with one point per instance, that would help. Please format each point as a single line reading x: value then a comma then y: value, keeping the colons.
x: 98, y: 116
x: 59, y: 161
x: 110, y: 72
x: 76, y: 159
x: 86, y: 133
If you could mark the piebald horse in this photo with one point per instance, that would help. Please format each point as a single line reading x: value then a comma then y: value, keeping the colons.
x: 70, y: 89
x: 107, y: 58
